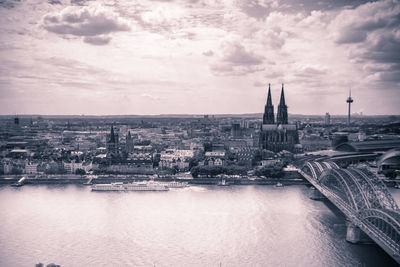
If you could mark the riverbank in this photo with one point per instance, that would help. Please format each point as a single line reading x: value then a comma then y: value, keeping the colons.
x: 290, y: 178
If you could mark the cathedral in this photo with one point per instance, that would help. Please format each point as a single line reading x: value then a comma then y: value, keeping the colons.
x: 112, y: 141
x: 280, y: 135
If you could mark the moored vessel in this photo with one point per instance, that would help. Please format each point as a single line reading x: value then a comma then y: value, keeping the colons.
x: 223, y: 182
x: 136, y: 186
x: 174, y: 184
x: 20, y: 182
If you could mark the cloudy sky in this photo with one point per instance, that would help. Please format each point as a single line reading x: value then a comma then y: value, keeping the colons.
x: 198, y: 56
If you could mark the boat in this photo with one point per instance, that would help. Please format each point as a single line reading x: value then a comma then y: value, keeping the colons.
x: 136, y: 186
x: 90, y: 179
x: 223, y: 183
x: 279, y: 184
x: 20, y: 182
x: 174, y: 184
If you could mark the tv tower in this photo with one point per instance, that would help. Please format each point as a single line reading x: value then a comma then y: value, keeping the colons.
x: 349, y: 100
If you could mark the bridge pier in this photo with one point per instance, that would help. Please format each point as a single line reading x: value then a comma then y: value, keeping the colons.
x: 355, y: 235
x: 314, y: 194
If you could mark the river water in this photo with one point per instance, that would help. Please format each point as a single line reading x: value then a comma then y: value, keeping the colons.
x: 194, y: 226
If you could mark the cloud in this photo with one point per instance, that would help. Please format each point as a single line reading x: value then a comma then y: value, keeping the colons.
x: 97, y: 40
x: 258, y: 8
x: 161, y: 16
x: 259, y: 84
x: 354, y: 25
x: 55, y: 2
x: 237, y: 60
x: 208, y: 53
x: 372, y: 33
x: 254, y: 8
x: 383, y: 47
x: 94, y: 22
x: 390, y: 76
x: 236, y: 54
x: 9, y: 4
x: 274, y: 37
x: 270, y: 74
x: 79, y: 2
x: 351, y: 36
x: 149, y: 96
x: 311, y: 72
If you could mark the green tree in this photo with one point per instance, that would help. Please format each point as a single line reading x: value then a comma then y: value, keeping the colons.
x: 269, y: 172
x: 175, y: 169
x: 16, y: 170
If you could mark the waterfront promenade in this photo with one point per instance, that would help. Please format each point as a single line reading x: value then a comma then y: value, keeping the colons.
x: 289, y: 178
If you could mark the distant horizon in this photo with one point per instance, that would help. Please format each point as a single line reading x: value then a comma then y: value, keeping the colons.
x: 192, y: 114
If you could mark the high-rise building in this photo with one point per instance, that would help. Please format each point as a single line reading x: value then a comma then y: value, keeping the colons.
x: 327, y: 119
x: 279, y: 136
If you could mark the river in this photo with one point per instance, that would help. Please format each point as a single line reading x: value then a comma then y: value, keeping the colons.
x: 195, y: 226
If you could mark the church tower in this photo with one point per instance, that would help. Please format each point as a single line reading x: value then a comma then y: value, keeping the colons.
x: 268, y: 117
x: 282, y: 116
x: 112, y: 135
x: 112, y: 142
x: 129, y: 143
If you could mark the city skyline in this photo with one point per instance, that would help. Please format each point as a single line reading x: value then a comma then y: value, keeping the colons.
x: 198, y: 57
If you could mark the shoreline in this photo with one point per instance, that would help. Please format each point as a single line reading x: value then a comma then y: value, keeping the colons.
x: 288, y: 179
x: 83, y: 180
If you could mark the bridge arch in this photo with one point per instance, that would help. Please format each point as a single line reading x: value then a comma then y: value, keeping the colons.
x: 376, y: 191
x: 359, y: 188
x: 315, y: 168
x: 345, y: 187
x: 385, y: 221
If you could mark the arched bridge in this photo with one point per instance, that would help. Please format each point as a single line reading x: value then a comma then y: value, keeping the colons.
x: 363, y: 198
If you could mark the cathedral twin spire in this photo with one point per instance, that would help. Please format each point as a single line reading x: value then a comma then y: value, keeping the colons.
x: 282, y: 115
x: 269, y: 109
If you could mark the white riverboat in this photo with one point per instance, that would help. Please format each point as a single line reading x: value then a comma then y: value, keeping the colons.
x: 174, y: 184
x: 20, y: 182
x: 136, y: 186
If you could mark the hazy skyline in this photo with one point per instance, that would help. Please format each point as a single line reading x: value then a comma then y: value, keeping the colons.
x: 198, y: 57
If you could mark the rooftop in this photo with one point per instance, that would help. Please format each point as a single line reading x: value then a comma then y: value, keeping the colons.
x: 370, y: 145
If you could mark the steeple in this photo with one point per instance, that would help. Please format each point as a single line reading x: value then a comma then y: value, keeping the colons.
x: 268, y: 117
x: 128, y: 142
x: 282, y: 116
x: 282, y: 102
x: 269, y: 99
x: 112, y: 135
